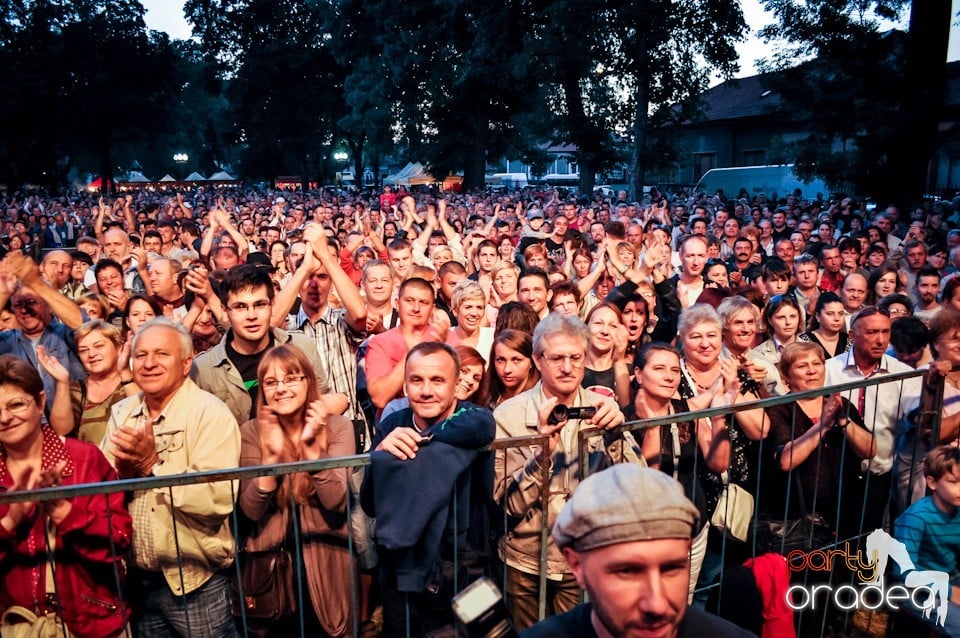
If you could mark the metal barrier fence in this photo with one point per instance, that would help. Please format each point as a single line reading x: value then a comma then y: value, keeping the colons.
x: 725, y: 550
x: 167, y: 483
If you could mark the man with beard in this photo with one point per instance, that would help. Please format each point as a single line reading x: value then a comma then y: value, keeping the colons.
x: 928, y: 287
x: 626, y: 535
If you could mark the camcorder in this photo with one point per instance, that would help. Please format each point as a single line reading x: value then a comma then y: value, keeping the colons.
x: 561, y: 413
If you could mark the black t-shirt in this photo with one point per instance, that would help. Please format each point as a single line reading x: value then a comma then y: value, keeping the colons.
x: 555, y: 252
x: 599, y: 381
x: 246, y: 365
x: 576, y: 623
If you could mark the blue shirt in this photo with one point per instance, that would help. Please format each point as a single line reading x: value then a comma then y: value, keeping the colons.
x: 931, y: 536
x: 59, y: 341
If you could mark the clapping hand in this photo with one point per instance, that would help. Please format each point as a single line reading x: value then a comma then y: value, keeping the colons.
x: 315, y: 435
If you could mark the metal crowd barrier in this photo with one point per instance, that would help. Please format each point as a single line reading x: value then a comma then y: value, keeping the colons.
x: 284, y: 469
x: 357, y: 461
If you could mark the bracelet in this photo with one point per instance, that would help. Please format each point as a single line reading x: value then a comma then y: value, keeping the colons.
x: 127, y: 382
x: 843, y: 423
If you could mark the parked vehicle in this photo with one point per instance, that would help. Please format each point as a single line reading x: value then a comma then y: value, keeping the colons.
x: 779, y: 180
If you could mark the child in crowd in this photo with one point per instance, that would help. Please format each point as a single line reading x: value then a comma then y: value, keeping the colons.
x: 930, y: 529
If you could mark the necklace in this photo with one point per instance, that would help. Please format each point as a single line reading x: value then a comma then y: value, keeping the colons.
x: 693, y: 378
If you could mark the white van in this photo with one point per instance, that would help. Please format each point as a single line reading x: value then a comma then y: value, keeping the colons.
x: 767, y: 180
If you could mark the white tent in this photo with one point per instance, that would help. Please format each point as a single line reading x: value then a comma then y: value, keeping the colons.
x: 222, y: 176
x: 135, y: 177
x: 167, y: 178
x: 412, y: 174
x: 195, y: 177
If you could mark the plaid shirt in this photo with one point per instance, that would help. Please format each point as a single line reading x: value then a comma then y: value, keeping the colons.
x: 337, y: 347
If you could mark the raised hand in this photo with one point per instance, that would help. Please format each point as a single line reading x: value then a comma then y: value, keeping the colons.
x: 315, y: 434
x: 135, y: 450
x: 56, y: 509
x: 52, y: 365
x: 18, y: 512
x: 272, y: 439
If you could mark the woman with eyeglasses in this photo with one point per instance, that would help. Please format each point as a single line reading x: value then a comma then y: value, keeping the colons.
x: 63, y: 551
x: 292, y: 424
x: 829, y: 327
x: 782, y: 318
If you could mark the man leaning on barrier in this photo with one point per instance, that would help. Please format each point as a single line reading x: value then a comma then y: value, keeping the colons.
x: 419, y: 488
x: 181, y: 536
x: 559, y: 348
x: 626, y: 535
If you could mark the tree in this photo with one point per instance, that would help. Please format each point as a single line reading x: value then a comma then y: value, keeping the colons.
x: 869, y: 100
x: 614, y: 62
x: 285, y: 88
x: 89, y: 82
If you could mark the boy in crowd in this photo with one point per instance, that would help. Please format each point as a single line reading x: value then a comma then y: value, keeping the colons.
x: 930, y: 530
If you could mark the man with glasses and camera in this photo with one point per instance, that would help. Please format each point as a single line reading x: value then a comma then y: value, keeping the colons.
x: 229, y: 369
x: 559, y: 407
x: 46, y: 318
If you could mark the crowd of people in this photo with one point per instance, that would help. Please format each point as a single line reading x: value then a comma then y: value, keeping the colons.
x: 154, y: 335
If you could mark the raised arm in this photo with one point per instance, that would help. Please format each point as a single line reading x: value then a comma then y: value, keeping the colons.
x: 62, y: 307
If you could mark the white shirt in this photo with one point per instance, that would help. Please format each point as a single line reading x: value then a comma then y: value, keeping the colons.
x: 885, y: 404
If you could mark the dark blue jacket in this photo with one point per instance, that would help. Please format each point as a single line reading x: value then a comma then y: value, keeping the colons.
x: 412, y: 499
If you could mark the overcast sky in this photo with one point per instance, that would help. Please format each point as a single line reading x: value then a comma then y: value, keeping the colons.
x: 167, y: 15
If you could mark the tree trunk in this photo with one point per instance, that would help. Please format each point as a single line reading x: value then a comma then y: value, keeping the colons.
x: 106, y: 163
x: 638, y: 151
x: 925, y: 74
x: 475, y: 158
x: 582, y: 133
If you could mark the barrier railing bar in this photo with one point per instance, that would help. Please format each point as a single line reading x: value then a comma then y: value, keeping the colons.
x: 790, y: 397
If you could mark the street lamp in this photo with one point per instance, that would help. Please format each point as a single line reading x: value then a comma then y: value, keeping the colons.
x: 341, y: 156
x: 180, y: 158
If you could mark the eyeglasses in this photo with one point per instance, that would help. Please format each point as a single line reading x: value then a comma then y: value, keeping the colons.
x: 902, y: 312
x: 20, y: 304
x: 556, y: 360
x: 288, y: 381
x: 258, y: 307
x: 17, y: 406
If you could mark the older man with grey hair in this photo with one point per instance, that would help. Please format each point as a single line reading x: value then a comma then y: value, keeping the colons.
x: 182, y: 544
x: 559, y: 407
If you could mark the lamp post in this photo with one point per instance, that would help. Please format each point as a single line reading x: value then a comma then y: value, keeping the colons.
x: 340, y: 157
x: 181, y: 159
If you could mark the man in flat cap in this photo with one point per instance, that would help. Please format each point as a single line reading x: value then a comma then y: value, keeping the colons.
x: 626, y: 535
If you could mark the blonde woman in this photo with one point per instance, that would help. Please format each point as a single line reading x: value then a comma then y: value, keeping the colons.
x: 82, y: 408
x: 468, y: 304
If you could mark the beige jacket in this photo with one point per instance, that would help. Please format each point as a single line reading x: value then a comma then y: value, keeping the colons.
x: 518, y: 471
x: 195, y: 433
